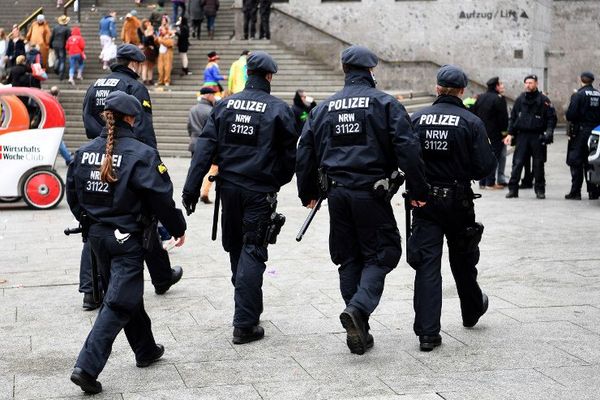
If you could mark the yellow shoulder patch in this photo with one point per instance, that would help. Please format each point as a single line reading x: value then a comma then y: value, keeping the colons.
x: 162, y: 168
x: 146, y: 103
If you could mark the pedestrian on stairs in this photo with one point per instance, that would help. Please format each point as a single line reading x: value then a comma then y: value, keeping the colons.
x: 131, y: 26
x: 250, y: 9
x: 76, y: 50
x: 197, y: 16
x: 108, y: 33
x: 212, y: 74
x: 210, y: 7
x: 150, y: 43
x: 265, y: 16
x: 166, y: 43
x: 178, y: 5
x: 39, y: 34
x: 183, y: 43
x: 58, y: 40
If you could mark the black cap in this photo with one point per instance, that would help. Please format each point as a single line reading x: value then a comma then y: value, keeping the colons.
x: 588, y: 75
x: 493, y: 82
x: 130, y: 52
x: 532, y: 76
x: 261, y: 61
x: 359, y: 56
x: 212, y: 54
x: 122, y: 102
x: 207, y: 90
x: 245, y: 52
x: 451, y: 76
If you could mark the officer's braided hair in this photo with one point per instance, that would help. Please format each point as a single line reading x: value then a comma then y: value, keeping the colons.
x: 107, y: 172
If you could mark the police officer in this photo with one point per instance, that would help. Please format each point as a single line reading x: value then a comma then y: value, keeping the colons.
x: 358, y: 138
x: 584, y: 114
x: 532, y: 122
x: 251, y: 136
x: 456, y: 150
x: 112, y: 180
x: 124, y: 78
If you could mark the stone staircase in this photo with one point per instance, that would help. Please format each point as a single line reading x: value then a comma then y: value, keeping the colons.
x: 171, y: 107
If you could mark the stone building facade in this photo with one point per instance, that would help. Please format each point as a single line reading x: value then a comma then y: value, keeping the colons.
x: 510, y: 38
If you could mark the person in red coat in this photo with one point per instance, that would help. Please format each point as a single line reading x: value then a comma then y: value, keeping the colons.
x: 76, y: 50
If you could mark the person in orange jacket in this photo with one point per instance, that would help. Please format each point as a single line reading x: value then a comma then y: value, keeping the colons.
x: 39, y: 34
x: 166, y: 42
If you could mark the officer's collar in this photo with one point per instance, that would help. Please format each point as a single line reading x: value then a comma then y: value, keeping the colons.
x: 258, y: 83
x: 444, y: 98
x: 531, y: 95
x: 587, y: 87
x: 122, y: 129
x: 359, y: 77
x: 124, y: 69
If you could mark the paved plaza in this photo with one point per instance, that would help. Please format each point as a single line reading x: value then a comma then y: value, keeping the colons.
x: 540, y: 266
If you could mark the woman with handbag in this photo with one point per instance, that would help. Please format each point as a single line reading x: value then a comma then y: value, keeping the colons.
x: 76, y: 51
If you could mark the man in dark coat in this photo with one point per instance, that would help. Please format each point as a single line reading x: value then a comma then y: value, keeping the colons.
x: 491, y: 108
x: 58, y: 40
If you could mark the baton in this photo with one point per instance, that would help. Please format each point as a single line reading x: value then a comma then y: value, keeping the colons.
x: 309, y: 219
x: 407, y: 209
x: 213, y: 178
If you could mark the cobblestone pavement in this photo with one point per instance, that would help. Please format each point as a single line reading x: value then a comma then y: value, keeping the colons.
x: 539, y: 340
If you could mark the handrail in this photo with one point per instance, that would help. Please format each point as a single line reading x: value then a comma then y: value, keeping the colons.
x: 28, y: 20
x: 70, y: 3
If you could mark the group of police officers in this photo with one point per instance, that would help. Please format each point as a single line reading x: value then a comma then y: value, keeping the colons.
x: 350, y: 151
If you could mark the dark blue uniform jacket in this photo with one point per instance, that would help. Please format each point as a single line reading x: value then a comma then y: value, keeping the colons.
x: 143, y: 185
x: 252, y: 137
x: 359, y: 135
x: 125, y: 80
x: 456, y: 148
x: 584, y: 108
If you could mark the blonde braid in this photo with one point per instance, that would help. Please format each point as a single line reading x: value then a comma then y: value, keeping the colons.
x: 107, y: 173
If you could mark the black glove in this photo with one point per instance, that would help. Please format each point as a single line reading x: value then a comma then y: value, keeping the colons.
x: 189, y: 202
x: 547, y: 138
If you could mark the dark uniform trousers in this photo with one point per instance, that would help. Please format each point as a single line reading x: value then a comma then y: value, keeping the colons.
x: 122, y: 270
x: 157, y: 260
x: 438, y: 218
x: 245, y: 214
x: 365, y: 242
x: 525, y: 144
x: 577, y: 155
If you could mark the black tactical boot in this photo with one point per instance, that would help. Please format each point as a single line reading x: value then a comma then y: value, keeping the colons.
x: 469, y: 323
x: 176, y: 274
x: 85, y: 381
x: 356, y: 333
x: 88, y: 302
x: 512, y: 194
x: 573, y: 196
x: 158, y: 353
x: 540, y: 195
x: 247, y: 335
x: 428, y: 343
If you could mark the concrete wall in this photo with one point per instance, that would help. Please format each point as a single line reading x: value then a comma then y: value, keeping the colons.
x: 557, y: 39
x: 575, y: 47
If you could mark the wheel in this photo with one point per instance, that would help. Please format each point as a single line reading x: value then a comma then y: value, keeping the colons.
x: 43, y: 189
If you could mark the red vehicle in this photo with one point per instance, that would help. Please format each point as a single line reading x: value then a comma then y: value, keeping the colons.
x: 32, y: 123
